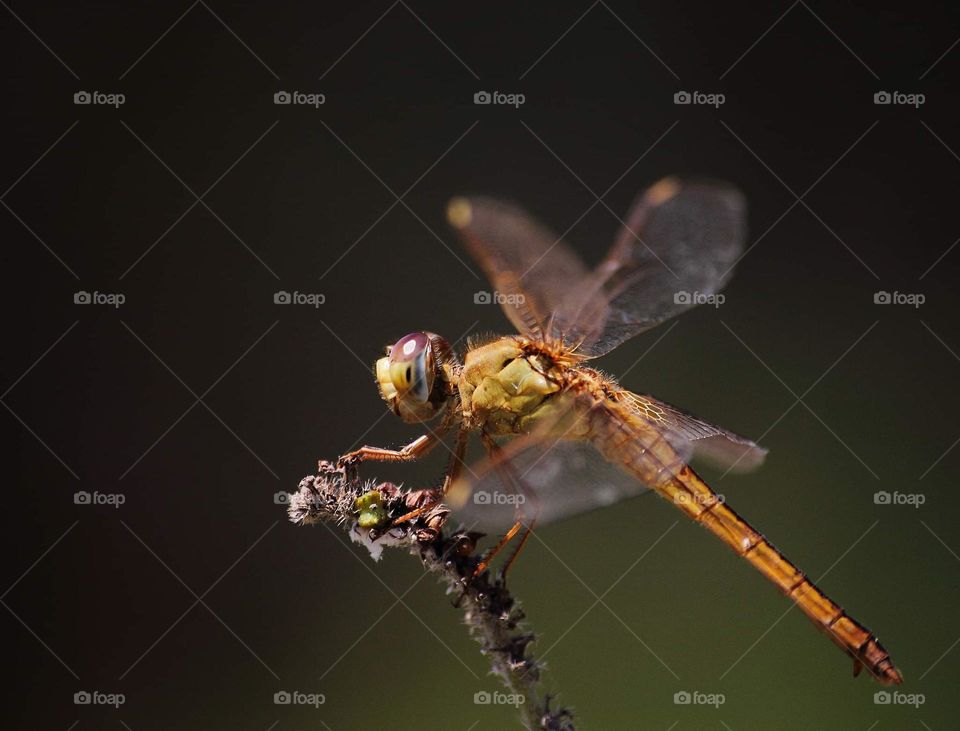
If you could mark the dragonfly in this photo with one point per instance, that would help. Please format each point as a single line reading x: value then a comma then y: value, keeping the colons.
x: 560, y: 436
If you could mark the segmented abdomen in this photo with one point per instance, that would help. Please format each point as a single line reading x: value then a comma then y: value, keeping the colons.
x: 624, y: 438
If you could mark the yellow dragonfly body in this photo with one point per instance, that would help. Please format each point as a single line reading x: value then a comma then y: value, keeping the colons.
x: 561, y: 436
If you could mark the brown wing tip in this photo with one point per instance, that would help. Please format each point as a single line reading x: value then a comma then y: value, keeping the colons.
x: 662, y: 191
x: 459, y: 213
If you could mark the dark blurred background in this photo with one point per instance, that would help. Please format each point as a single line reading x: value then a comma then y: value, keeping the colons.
x: 198, y: 398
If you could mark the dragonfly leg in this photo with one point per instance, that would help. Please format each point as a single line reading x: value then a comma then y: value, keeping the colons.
x: 492, y: 553
x: 516, y: 551
x: 453, y: 472
x: 419, y: 447
x: 509, y: 477
x: 426, y: 507
x: 455, y: 467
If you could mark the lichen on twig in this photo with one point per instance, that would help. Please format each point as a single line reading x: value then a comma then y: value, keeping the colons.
x: 366, y: 509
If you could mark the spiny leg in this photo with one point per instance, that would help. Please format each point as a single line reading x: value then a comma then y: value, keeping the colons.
x: 419, y: 447
x: 453, y: 472
x: 510, y: 477
x: 491, y: 554
x: 516, y: 551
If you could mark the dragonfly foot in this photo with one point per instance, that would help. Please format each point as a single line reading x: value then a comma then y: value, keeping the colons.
x: 349, y: 460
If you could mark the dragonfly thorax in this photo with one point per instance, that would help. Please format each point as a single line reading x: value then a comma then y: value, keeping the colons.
x: 502, y: 386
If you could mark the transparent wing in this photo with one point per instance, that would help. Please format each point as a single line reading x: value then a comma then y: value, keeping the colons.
x: 557, y: 480
x: 530, y: 269
x: 544, y: 477
x: 696, y: 438
x: 677, y: 250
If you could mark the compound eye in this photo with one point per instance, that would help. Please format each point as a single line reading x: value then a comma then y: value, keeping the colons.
x: 411, y: 366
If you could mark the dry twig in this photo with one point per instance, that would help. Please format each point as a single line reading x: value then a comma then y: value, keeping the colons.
x: 367, y: 510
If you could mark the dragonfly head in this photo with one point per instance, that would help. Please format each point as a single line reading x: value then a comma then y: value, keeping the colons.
x: 412, y: 378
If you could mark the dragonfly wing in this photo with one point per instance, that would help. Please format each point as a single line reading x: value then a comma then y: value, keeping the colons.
x: 677, y: 249
x: 693, y: 437
x: 551, y: 480
x: 540, y: 476
x: 530, y: 268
